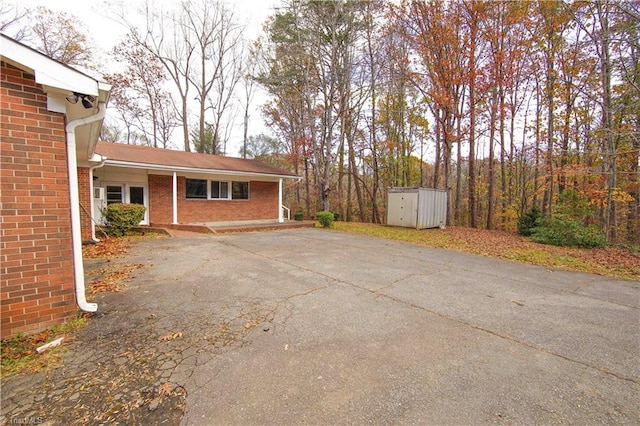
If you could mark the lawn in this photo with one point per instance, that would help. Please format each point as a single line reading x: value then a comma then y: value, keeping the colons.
x: 617, y: 262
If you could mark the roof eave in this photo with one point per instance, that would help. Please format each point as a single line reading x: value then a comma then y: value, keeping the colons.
x: 166, y: 168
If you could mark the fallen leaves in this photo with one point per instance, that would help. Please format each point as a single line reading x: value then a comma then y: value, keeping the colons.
x: 608, y: 261
x: 171, y: 336
x: 19, y: 354
x: 165, y: 389
x: 112, y: 278
x: 106, y: 249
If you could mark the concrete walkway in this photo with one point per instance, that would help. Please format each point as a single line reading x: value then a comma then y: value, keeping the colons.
x: 314, y: 326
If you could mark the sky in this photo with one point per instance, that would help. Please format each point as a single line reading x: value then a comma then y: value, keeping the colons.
x: 106, y: 33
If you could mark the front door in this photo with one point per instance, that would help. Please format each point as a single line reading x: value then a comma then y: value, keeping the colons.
x: 136, y: 194
x: 125, y: 193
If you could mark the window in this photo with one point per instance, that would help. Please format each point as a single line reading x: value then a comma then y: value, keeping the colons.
x: 196, y: 188
x: 240, y: 190
x: 203, y: 189
x: 114, y: 194
x: 219, y: 189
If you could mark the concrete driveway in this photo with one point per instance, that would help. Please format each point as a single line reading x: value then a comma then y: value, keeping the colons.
x: 319, y: 327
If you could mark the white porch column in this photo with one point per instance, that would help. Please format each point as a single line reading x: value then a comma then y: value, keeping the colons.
x: 175, y: 198
x: 280, y: 218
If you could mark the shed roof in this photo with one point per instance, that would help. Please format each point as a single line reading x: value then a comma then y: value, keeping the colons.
x: 167, y: 159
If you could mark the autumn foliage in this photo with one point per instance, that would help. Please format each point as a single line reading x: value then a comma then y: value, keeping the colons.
x: 507, y: 104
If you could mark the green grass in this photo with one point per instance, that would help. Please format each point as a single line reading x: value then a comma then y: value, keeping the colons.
x: 19, y: 353
x: 428, y: 238
x: 506, y: 246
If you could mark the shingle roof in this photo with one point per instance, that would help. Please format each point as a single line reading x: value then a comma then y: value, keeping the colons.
x: 171, y: 159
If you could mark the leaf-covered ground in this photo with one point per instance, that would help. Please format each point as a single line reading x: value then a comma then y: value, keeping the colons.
x: 608, y: 261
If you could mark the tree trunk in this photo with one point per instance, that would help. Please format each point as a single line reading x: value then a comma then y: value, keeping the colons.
x: 550, y: 91
x: 491, y: 177
x: 473, y: 210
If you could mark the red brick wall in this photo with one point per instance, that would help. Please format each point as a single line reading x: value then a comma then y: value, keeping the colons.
x: 36, y: 261
x: 85, y: 202
x: 262, y: 203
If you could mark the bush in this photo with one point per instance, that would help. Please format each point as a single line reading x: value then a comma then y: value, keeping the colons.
x: 122, y: 217
x: 528, y: 221
x: 298, y: 216
x: 325, y: 218
x: 561, y: 231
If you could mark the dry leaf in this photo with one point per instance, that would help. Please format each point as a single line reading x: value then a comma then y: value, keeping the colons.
x: 165, y: 388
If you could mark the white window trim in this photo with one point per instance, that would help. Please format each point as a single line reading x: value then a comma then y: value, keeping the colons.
x: 229, y: 190
x: 126, y: 195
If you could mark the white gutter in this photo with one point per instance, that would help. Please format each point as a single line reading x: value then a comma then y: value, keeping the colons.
x: 74, y: 195
x: 92, y: 203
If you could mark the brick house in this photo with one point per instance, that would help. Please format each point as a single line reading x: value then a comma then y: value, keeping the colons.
x: 55, y: 177
x: 180, y: 187
x: 50, y: 118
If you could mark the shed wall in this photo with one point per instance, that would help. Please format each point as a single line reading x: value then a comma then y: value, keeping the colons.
x: 417, y: 207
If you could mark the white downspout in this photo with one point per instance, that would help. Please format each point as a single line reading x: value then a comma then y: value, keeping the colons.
x: 91, y: 200
x: 280, y: 218
x: 174, y: 199
x: 74, y: 195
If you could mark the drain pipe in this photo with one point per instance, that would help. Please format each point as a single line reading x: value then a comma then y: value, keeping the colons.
x: 74, y: 195
x: 92, y: 202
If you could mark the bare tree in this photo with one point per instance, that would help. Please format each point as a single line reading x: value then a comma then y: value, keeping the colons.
x: 11, y: 18
x: 140, y: 95
x: 170, y: 42
x: 199, y: 45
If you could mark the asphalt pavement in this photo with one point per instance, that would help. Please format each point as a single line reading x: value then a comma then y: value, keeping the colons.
x: 312, y: 326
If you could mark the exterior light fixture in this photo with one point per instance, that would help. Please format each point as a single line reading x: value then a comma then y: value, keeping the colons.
x: 87, y: 100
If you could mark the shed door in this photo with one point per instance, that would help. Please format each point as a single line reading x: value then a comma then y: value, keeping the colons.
x: 403, y: 209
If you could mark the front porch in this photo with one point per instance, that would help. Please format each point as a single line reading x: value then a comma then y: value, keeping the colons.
x: 228, y: 226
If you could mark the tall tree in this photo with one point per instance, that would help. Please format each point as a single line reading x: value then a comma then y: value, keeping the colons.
x: 217, y: 37
x: 140, y: 95
x: 62, y: 36
x: 434, y: 29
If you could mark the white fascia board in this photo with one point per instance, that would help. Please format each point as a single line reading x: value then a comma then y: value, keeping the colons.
x: 47, y: 71
x: 117, y: 163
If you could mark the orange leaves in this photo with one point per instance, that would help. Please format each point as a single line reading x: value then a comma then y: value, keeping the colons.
x: 113, y: 278
x: 171, y: 336
x: 105, y: 249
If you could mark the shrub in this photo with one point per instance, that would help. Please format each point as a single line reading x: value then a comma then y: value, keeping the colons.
x: 561, y: 231
x: 336, y: 216
x: 298, y: 216
x: 528, y: 221
x: 325, y: 218
x: 122, y: 217
x: 574, y: 205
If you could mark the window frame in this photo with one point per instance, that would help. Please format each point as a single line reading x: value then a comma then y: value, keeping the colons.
x: 186, y: 189
x: 242, y: 190
x: 229, y: 184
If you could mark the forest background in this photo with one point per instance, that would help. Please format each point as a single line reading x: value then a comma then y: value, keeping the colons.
x: 519, y: 109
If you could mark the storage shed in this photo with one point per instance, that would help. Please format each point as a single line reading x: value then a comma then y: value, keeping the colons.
x: 417, y: 207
